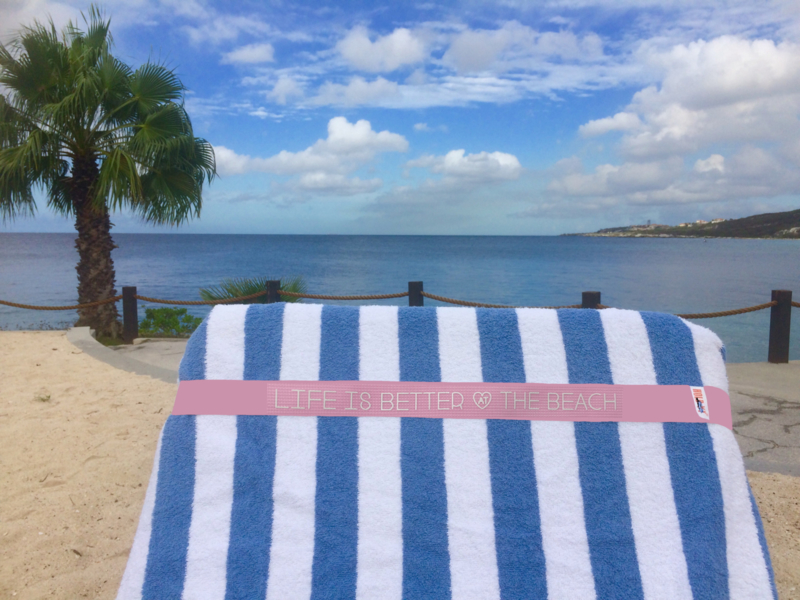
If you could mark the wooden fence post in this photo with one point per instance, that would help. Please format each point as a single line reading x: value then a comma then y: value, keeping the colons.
x: 272, y: 291
x: 130, y: 315
x: 780, y: 322
x: 590, y: 299
x: 415, y: 297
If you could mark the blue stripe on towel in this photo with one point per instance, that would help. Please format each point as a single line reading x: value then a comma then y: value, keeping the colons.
x: 336, y: 505
x: 193, y: 363
x: 605, y: 499
x: 607, y: 513
x: 501, y: 345
x: 672, y: 347
x: 251, y: 515
x: 692, y: 462
x: 336, y: 513
x: 585, y: 346
x: 698, y: 498
x: 426, y: 557
x: 762, y: 540
x: 172, y: 514
x: 263, y: 334
x: 517, y: 529
x: 419, y: 344
x: 518, y: 534
x: 338, y: 355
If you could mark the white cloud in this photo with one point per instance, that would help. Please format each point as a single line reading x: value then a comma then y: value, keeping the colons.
x: 356, y: 92
x: 285, y: 88
x: 425, y: 128
x: 250, y: 54
x: 336, y: 184
x: 386, y: 53
x: 483, y: 167
x: 515, y: 45
x: 624, y: 121
x: 751, y: 173
x: 323, y: 167
x: 612, y: 180
x: 715, y: 162
x: 214, y: 28
x: 727, y: 90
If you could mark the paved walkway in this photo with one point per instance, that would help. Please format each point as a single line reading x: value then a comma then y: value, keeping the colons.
x: 765, y: 398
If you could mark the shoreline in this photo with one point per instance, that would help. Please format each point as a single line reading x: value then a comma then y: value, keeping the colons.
x: 680, y: 237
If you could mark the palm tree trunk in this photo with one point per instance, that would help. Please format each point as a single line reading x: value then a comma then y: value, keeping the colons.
x: 96, y: 277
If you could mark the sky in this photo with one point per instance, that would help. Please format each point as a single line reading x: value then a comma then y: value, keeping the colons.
x: 470, y: 117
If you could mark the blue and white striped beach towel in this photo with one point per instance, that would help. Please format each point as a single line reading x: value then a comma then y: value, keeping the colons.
x: 254, y: 507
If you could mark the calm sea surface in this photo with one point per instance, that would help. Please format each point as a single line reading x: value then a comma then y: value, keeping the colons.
x: 672, y: 275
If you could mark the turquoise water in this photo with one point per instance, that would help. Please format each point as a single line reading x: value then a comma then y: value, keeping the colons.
x: 672, y: 275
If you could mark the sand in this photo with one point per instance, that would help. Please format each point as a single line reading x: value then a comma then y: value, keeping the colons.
x: 76, y: 450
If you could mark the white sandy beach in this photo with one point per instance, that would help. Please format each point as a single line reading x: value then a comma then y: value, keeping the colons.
x: 78, y: 439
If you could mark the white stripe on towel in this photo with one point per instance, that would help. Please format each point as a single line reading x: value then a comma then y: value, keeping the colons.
x: 380, y: 497
x: 293, y: 494
x: 225, y: 342
x: 378, y: 343
x: 459, y: 344
x: 748, y: 578
x: 708, y: 350
x: 380, y: 510
x: 654, y: 517
x: 470, y: 514
x: 133, y: 579
x: 656, y: 529
x: 564, y: 540
x: 302, y: 336
x: 543, y: 352
x: 209, y: 532
x: 628, y: 347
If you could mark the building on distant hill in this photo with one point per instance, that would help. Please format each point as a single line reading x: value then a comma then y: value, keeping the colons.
x: 685, y: 225
x: 701, y: 222
x: 718, y: 220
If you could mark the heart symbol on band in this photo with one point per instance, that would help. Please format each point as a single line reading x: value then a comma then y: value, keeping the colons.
x: 482, y: 399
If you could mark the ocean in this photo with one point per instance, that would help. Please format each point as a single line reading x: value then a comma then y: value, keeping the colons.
x: 671, y: 275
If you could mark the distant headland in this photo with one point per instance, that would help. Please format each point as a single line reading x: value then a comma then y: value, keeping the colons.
x: 782, y: 225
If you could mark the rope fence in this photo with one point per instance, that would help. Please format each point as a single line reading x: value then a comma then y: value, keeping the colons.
x: 201, y: 302
x: 780, y: 305
x: 728, y: 313
x: 482, y: 305
x: 73, y: 307
x: 327, y: 297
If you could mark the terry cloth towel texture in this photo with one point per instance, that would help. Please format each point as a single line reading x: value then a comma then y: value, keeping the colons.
x: 285, y: 508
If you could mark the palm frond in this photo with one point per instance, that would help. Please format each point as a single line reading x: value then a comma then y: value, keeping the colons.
x: 244, y: 286
x: 152, y: 85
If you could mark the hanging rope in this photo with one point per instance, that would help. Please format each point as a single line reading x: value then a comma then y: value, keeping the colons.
x: 73, y: 307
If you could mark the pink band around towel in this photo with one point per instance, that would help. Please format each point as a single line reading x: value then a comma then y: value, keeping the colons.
x: 518, y: 401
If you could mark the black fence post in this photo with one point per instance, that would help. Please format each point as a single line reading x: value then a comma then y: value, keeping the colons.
x: 590, y: 299
x: 780, y: 323
x: 415, y: 297
x: 272, y: 291
x: 130, y: 315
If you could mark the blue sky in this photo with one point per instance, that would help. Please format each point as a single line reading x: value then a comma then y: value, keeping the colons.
x: 497, y: 118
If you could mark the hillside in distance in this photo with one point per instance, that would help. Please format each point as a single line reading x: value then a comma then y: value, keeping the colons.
x: 781, y: 225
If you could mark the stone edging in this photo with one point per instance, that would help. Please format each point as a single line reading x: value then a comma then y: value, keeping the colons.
x: 81, y: 338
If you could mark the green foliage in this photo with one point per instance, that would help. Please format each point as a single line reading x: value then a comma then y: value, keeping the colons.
x: 168, y: 322
x: 67, y: 101
x: 244, y: 286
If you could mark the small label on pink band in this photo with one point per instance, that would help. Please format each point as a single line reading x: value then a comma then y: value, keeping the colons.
x: 440, y: 400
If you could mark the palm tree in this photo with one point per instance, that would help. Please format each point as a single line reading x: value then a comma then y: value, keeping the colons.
x: 96, y: 136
